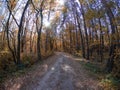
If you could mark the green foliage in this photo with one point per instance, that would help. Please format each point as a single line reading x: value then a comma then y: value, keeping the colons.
x: 19, y: 72
x: 93, y: 68
x: 110, y: 83
x: 107, y: 81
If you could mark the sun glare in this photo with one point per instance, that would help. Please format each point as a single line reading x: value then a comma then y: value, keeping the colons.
x: 61, y: 2
x: 47, y: 24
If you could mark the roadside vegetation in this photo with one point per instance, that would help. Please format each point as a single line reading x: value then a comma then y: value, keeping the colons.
x: 96, y: 70
x: 31, y: 30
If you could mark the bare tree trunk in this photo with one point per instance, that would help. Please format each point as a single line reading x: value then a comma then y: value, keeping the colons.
x: 86, y: 34
x: 7, y: 31
x: 110, y: 61
x: 46, y: 41
x: 81, y: 36
x: 76, y: 34
x: 39, y: 36
x: 101, y: 42
x: 31, y: 41
x: 19, y: 34
x: 70, y: 40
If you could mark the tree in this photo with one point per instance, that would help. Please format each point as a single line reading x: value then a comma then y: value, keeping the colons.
x: 20, y: 31
x: 85, y: 28
x: 112, y: 45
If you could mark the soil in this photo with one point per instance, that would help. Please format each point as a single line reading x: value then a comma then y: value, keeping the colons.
x: 59, y: 72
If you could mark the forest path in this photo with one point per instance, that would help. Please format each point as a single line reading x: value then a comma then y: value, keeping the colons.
x: 64, y: 73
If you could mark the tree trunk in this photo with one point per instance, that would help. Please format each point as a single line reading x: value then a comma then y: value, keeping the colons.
x: 19, y: 34
x: 7, y: 30
x: 70, y: 40
x: 110, y: 61
x: 81, y: 36
x: 101, y: 41
x: 86, y: 34
x: 39, y: 36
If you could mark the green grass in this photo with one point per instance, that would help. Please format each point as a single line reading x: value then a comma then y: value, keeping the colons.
x: 110, y: 82
x: 106, y: 80
x: 93, y: 68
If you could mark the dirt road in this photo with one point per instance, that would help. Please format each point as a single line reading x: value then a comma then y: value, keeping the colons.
x: 63, y: 73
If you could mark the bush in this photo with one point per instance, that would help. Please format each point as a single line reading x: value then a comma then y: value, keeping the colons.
x: 28, y: 59
x: 79, y: 53
x: 110, y: 83
x: 6, y: 64
x: 5, y: 60
x: 116, y: 69
x: 47, y: 54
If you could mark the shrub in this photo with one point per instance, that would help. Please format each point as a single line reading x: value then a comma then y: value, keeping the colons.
x: 110, y: 83
x: 116, y: 69
x: 28, y: 59
x: 5, y: 60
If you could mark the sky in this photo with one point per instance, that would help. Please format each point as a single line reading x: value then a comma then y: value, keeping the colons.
x: 52, y: 16
x: 20, y: 5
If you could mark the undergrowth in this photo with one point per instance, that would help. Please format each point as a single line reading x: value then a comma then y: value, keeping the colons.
x: 11, y: 70
x: 107, y: 81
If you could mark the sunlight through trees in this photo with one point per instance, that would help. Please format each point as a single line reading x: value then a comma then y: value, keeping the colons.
x: 31, y: 30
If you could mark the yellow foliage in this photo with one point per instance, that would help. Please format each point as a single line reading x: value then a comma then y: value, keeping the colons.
x: 28, y: 59
x: 12, y: 4
x: 107, y: 84
x: 64, y: 9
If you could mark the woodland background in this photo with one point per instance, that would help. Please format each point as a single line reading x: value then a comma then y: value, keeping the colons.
x: 31, y: 30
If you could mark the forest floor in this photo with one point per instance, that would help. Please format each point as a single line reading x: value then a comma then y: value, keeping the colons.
x: 59, y: 72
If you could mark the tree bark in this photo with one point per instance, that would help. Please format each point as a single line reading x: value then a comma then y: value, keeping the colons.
x: 110, y: 61
x: 7, y: 31
x: 86, y: 34
x: 81, y: 36
x: 19, y: 34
